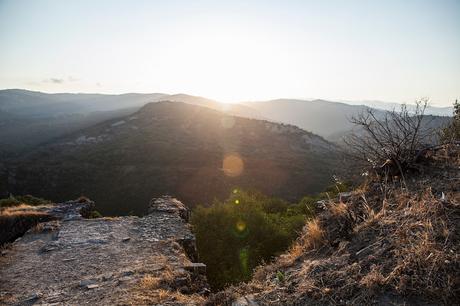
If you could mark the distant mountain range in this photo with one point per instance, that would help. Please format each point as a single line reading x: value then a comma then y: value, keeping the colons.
x: 125, y: 149
x: 192, y: 152
x: 389, y: 106
x: 29, y: 118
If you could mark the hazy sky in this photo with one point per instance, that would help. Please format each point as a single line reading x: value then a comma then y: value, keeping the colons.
x: 235, y: 50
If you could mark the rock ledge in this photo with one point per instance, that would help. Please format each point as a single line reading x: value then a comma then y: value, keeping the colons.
x: 105, y: 261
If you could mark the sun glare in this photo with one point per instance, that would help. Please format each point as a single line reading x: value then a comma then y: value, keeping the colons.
x: 233, y: 165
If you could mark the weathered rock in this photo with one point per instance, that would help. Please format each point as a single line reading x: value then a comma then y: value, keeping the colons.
x: 105, y: 261
x: 196, y: 268
x: 247, y: 300
x: 344, y: 196
x: 17, y: 222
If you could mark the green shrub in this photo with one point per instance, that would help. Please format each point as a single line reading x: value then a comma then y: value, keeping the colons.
x: 235, y: 236
x: 11, y: 201
x: 94, y: 215
x: 25, y: 199
x: 452, y: 132
x: 280, y: 276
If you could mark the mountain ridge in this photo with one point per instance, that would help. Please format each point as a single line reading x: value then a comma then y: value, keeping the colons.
x: 174, y: 148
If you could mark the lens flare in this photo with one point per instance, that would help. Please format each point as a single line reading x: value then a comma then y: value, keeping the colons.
x: 244, y: 260
x: 240, y: 226
x: 237, y: 201
x: 233, y: 165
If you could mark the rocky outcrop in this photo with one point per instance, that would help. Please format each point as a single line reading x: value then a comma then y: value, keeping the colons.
x: 106, y: 261
x: 16, y: 221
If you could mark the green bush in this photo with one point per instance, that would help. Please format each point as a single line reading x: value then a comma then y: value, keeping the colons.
x: 452, y: 132
x: 25, y: 199
x: 94, y: 215
x: 11, y: 201
x: 235, y: 236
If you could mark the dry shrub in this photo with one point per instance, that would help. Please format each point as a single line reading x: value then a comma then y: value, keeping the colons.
x: 14, y: 213
x: 163, y: 287
x: 314, y: 235
x: 374, y: 280
x: 296, y: 250
x: 338, y: 209
x: 150, y: 282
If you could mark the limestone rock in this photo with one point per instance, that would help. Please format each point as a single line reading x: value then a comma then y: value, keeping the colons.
x: 105, y: 261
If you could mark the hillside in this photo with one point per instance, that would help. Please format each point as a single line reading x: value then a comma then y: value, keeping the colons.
x: 22, y: 133
x: 29, y: 118
x: 321, y: 117
x: 381, y: 244
x: 191, y: 152
x: 327, y: 118
x: 34, y: 104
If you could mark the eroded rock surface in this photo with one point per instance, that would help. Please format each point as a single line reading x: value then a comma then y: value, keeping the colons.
x: 15, y: 221
x: 106, y: 261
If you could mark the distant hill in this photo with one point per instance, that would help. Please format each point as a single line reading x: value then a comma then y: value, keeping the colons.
x: 321, y: 117
x: 430, y: 110
x: 327, y: 118
x: 21, y: 133
x: 34, y: 104
x: 38, y: 104
x: 29, y: 118
x: 177, y: 149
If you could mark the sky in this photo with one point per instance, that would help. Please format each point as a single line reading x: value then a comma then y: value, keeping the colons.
x: 390, y: 50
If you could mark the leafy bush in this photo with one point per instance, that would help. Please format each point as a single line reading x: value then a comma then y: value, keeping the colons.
x: 235, y: 236
x: 11, y: 201
x: 25, y: 199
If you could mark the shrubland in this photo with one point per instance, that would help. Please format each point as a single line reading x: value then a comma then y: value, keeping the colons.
x: 238, y: 234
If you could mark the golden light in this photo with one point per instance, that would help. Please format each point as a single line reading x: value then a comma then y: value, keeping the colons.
x: 237, y: 201
x: 240, y: 226
x: 233, y: 165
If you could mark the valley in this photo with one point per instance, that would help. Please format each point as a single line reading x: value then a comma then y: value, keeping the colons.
x: 191, y: 152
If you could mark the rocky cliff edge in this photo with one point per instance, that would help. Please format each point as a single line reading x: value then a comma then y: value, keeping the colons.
x: 131, y: 260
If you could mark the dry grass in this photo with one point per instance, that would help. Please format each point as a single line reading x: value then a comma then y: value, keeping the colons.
x: 163, y: 287
x: 374, y: 280
x: 22, y: 209
x: 16, y: 220
x: 338, y: 209
x: 150, y: 282
x: 314, y: 235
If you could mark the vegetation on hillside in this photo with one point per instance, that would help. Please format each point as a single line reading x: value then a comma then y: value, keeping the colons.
x: 236, y: 235
x: 24, y: 199
x: 173, y: 148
